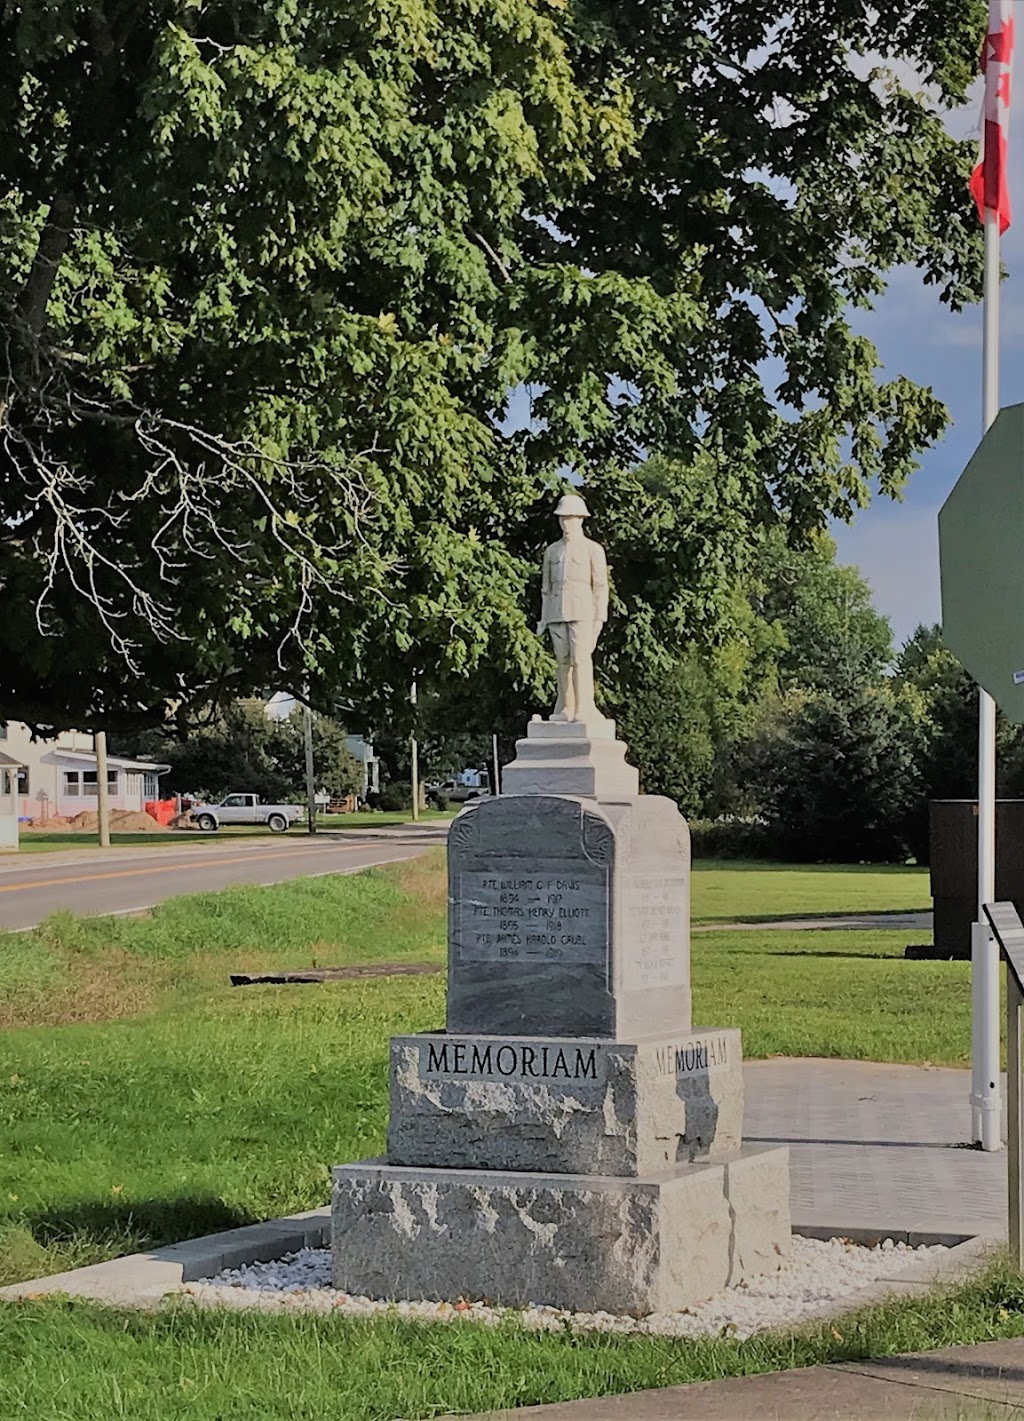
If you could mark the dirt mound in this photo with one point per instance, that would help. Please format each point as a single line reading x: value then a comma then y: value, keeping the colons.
x: 134, y: 821
x: 122, y: 821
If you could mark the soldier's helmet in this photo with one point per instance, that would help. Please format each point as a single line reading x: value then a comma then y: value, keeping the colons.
x: 572, y: 506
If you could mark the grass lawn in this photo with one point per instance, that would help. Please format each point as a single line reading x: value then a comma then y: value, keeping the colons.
x: 70, y: 1362
x: 727, y: 891
x: 142, y: 1099
x: 45, y: 842
x: 261, y: 1089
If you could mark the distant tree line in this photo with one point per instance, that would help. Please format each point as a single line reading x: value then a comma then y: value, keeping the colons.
x: 802, y: 732
x: 831, y: 742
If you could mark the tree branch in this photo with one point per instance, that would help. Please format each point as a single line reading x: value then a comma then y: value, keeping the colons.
x: 53, y: 243
x: 486, y: 246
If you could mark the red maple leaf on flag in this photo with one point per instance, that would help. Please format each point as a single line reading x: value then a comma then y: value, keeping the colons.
x: 989, y: 179
x: 998, y: 46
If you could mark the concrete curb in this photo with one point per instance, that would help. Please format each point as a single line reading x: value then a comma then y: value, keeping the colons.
x: 144, y: 1280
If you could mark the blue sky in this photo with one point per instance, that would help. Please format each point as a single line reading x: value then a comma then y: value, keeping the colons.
x: 895, y: 545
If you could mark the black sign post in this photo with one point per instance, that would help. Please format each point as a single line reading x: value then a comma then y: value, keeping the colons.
x: 1009, y: 933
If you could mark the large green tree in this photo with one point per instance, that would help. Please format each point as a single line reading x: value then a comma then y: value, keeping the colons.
x: 270, y: 273
x: 239, y: 748
x: 837, y: 774
x: 828, y: 628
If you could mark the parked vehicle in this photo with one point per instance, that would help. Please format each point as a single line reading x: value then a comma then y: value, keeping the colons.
x: 452, y: 792
x: 245, y: 809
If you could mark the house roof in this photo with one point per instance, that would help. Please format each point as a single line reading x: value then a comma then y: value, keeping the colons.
x: 7, y: 763
x: 115, y: 762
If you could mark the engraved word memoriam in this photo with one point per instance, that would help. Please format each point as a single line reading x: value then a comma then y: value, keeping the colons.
x: 519, y: 1060
x: 696, y: 1055
x: 558, y: 915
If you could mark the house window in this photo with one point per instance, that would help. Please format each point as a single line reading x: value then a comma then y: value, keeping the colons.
x: 150, y: 786
x: 83, y: 782
x: 23, y: 781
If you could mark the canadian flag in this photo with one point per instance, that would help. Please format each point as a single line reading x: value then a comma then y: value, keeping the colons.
x: 988, y: 181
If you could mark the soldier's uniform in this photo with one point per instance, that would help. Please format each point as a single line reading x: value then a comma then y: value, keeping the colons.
x: 574, y: 605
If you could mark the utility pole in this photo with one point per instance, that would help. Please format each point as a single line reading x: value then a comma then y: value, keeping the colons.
x: 415, y: 766
x: 99, y: 741
x: 307, y: 731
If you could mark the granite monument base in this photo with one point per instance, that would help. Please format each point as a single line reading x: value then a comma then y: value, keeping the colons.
x: 576, y: 757
x: 588, y: 1243
x: 565, y: 1105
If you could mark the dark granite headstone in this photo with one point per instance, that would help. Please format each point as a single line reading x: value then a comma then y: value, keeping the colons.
x: 569, y: 917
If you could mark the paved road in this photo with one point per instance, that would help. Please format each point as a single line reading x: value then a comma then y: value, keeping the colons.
x: 128, y: 880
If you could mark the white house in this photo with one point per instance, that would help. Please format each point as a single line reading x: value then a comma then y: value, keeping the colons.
x: 369, y: 764
x: 9, y: 768
x: 58, y: 777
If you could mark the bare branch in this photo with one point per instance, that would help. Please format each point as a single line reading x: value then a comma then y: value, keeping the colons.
x: 186, y: 477
x: 486, y: 246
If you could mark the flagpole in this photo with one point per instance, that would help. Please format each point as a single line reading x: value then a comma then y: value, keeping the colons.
x: 986, y: 1103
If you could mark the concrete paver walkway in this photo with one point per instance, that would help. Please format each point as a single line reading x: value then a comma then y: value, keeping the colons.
x: 955, y: 1384
x: 877, y: 1147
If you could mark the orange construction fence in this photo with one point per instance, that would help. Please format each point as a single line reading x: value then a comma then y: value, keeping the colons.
x: 162, y: 810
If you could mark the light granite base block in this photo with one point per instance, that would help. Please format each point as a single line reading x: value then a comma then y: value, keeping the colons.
x: 565, y: 1105
x: 589, y: 1243
x: 571, y: 757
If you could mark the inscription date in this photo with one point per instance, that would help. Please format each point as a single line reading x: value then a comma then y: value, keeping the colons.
x: 546, y: 917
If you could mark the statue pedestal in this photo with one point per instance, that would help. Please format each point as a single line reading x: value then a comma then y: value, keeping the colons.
x: 569, y: 1139
x: 574, y: 757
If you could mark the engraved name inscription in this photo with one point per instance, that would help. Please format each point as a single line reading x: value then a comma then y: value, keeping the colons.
x: 559, y: 914
x: 655, y: 918
x: 519, y: 1060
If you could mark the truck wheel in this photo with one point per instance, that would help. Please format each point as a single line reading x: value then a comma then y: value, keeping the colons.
x: 277, y: 823
x: 207, y: 823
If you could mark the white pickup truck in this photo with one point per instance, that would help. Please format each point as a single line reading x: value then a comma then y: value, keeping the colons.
x: 245, y: 809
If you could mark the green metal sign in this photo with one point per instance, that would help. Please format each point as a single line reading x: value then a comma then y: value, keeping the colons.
x: 981, y: 560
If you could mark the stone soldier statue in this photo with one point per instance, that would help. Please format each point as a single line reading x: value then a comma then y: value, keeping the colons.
x: 574, y: 608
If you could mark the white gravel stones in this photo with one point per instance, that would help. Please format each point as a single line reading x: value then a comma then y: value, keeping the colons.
x: 817, y: 1279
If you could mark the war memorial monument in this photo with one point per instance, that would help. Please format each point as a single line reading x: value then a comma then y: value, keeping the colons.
x: 569, y: 1138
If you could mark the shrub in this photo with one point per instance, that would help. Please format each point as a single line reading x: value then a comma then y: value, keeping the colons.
x: 731, y: 839
x: 397, y: 795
